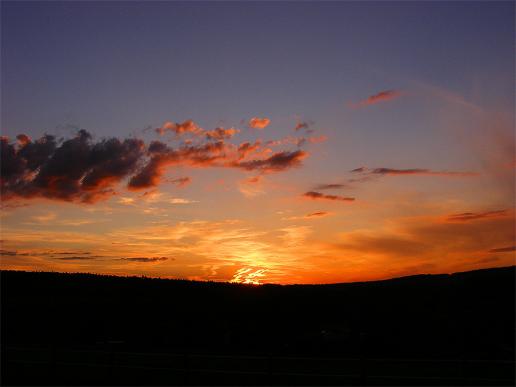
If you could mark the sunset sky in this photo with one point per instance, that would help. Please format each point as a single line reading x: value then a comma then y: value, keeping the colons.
x: 259, y: 142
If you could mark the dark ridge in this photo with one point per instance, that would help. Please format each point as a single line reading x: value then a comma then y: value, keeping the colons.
x: 466, y: 316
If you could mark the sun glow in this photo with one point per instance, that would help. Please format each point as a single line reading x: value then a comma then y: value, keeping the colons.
x: 248, y: 275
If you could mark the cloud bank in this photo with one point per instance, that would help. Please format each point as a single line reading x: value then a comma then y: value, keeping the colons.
x: 81, y: 169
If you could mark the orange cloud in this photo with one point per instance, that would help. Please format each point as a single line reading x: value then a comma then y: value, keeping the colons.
x: 23, y: 139
x: 317, y: 196
x: 179, y: 129
x: 246, y: 148
x: 317, y: 140
x: 507, y: 249
x: 469, y: 216
x: 382, y: 96
x: 221, y: 133
x: 259, y: 123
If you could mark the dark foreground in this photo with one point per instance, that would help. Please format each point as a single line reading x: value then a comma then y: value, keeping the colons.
x: 79, y: 329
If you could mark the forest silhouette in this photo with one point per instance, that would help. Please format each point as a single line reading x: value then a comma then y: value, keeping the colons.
x: 464, y: 317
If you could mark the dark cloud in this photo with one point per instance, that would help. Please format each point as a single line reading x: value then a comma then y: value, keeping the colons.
x: 277, y: 162
x: 301, y: 125
x: 76, y: 258
x: 144, y: 259
x: 411, y: 171
x: 382, y: 96
x: 81, y: 169
x: 469, y: 216
x: 317, y: 195
x: 75, y: 170
x: 70, y: 253
x: 7, y: 253
x: 317, y: 214
x: 503, y: 249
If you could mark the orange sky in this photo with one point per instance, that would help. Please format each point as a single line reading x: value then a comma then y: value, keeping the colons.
x: 283, y: 143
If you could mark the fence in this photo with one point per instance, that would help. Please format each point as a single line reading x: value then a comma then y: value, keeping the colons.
x: 73, y: 367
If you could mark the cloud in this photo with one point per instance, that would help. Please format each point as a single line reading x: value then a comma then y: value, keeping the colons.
x: 246, y: 148
x: 44, y: 218
x: 7, y: 253
x: 382, y: 96
x: 412, y: 171
x: 179, y: 129
x: 301, y: 125
x: 81, y: 169
x: 313, y: 215
x: 161, y: 156
x: 69, y: 252
x: 320, y: 196
x: 252, y: 186
x: 411, y: 243
x: 144, y: 259
x: 182, y: 201
x: 221, y: 133
x: 503, y: 249
x: 469, y: 216
x: 78, y: 258
x: 179, y: 181
x: 259, y: 123
x: 317, y: 140
x: 77, y: 169
x: 126, y: 201
x: 277, y: 162
x: 248, y: 276
x: 318, y: 214
x: 23, y: 139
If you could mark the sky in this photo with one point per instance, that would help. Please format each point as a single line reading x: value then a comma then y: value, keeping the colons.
x: 257, y: 142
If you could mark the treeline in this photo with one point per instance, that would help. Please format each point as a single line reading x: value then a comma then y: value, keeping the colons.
x: 466, y: 315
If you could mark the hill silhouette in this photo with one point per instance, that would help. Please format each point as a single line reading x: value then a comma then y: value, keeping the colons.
x: 464, y: 316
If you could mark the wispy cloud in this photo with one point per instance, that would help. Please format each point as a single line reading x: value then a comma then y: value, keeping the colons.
x: 412, y: 171
x: 382, y: 96
x: 310, y: 216
x: 470, y: 216
x: 507, y: 249
x: 320, y: 196
x: 181, y: 201
x: 145, y: 259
